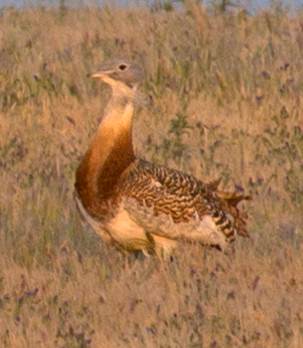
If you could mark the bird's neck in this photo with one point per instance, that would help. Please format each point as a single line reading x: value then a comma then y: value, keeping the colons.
x: 110, y: 152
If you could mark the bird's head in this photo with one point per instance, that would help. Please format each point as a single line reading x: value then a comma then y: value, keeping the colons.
x: 122, y: 76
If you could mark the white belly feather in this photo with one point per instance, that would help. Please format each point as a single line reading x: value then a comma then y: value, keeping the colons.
x: 97, y: 226
x: 134, y: 226
x: 122, y: 229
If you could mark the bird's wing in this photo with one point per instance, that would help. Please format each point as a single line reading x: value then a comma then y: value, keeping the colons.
x: 173, y: 204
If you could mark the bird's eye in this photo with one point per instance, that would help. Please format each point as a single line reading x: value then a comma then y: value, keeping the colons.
x: 122, y: 67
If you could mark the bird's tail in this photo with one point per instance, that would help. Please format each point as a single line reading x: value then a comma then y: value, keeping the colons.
x: 230, y: 201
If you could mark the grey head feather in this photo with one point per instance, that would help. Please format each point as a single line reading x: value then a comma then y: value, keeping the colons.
x: 123, y: 70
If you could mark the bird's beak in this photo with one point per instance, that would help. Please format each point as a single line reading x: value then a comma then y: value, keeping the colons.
x: 101, y: 74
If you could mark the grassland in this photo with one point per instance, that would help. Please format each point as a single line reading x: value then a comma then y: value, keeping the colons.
x: 226, y: 96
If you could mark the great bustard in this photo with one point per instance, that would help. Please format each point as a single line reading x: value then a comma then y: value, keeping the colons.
x: 139, y: 205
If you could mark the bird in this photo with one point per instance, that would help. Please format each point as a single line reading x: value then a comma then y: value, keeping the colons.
x: 138, y: 205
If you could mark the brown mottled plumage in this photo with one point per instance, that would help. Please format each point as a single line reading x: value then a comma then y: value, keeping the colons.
x: 141, y: 206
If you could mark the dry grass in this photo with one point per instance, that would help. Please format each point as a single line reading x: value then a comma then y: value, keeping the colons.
x: 227, y: 98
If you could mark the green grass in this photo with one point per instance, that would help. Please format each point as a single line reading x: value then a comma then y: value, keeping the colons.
x: 226, y: 101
